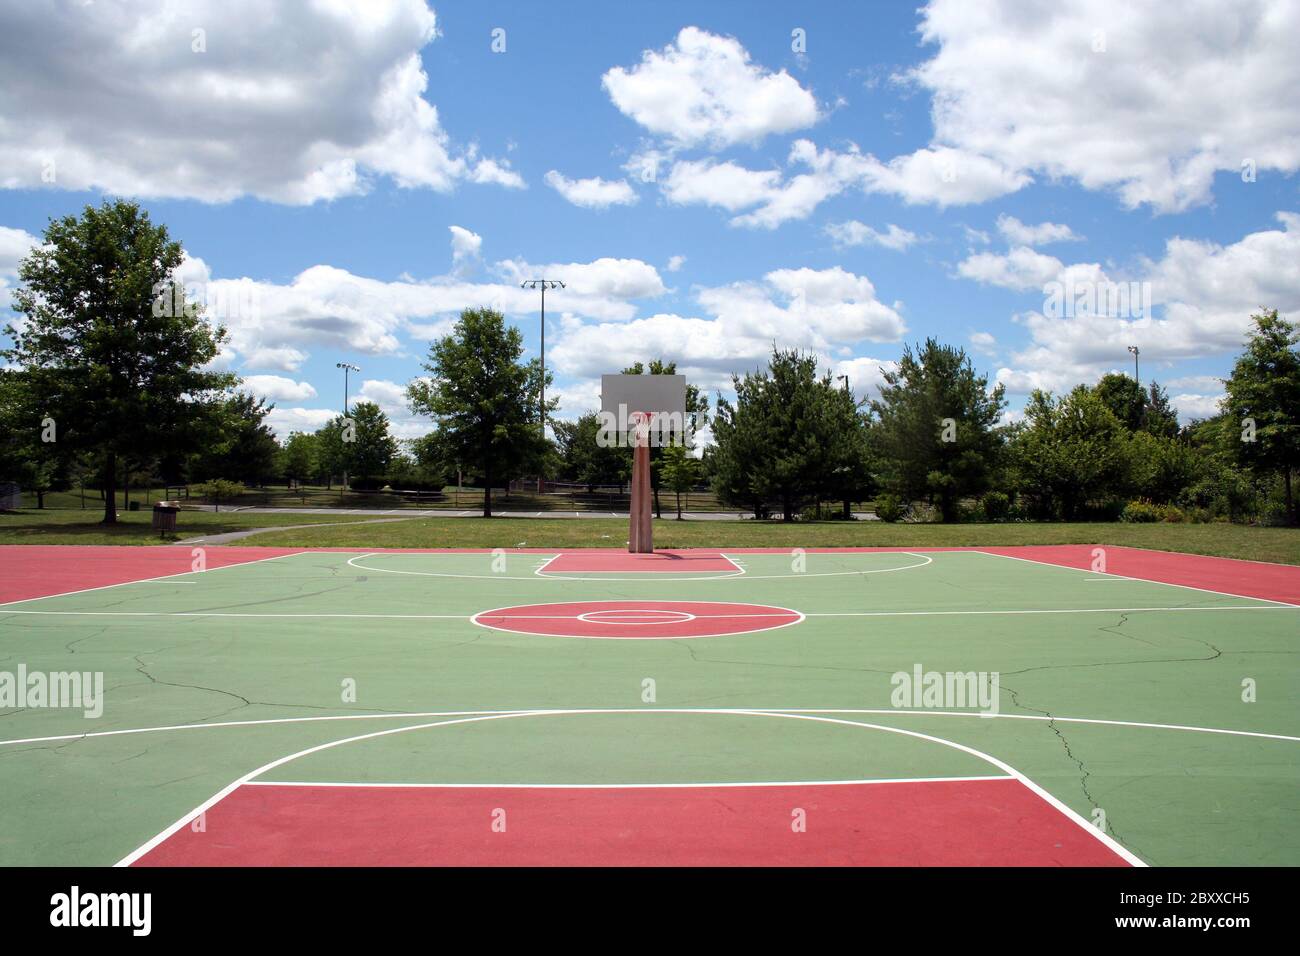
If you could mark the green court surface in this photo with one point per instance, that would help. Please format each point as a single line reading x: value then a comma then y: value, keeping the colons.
x: 1122, y: 699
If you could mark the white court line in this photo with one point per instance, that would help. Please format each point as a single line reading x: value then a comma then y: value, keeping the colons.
x: 169, y: 728
x: 650, y: 578
x: 622, y: 786
x: 161, y: 577
x: 1111, y: 844
x: 1168, y: 584
x: 470, y: 617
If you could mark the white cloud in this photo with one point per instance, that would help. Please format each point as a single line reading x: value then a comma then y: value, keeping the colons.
x: 1206, y: 293
x: 943, y: 176
x: 1197, y: 406
x: 854, y: 233
x: 866, y: 375
x: 702, y: 90
x: 465, y: 248
x: 675, y: 263
x: 282, y: 421
x: 593, y: 193
x: 1021, y: 234
x: 274, y: 327
x: 816, y: 310
x: 277, y: 388
x: 727, y: 185
x: 1020, y: 269
x: 1175, y: 95
x: 15, y: 244
x: 984, y: 342
x: 293, y: 106
x: 1197, y: 383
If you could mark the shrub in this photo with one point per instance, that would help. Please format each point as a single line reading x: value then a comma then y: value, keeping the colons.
x: 889, y: 508
x: 922, y: 512
x: 1141, y: 512
x: 1172, y: 514
x: 996, y: 505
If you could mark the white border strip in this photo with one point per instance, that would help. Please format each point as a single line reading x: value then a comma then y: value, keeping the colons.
x: 616, y: 786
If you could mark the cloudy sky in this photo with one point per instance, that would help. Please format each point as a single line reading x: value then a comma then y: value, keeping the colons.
x: 707, y: 179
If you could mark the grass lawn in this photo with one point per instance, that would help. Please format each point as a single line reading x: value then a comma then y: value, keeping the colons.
x: 74, y: 526
x: 1280, y: 545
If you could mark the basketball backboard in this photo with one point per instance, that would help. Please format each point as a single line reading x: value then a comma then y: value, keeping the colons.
x: 665, y: 394
x: 661, y: 396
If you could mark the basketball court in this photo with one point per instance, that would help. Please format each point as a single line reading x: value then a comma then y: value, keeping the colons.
x: 735, y: 707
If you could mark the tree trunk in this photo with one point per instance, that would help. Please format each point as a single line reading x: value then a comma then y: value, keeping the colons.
x: 848, y: 510
x: 40, y: 499
x: 110, y: 489
x: 679, y: 506
x: 658, y: 511
x: 487, y: 495
x: 787, y: 508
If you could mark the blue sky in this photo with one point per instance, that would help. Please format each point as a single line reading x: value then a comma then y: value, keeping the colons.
x: 842, y: 178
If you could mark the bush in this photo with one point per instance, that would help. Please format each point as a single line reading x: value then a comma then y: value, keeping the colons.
x: 1141, y: 512
x: 366, y: 483
x: 1172, y: 514
x: 922, y: 512
x: 889, y: 508
x: 996, y: 505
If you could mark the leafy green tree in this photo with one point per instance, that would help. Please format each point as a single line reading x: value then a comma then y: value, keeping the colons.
x: 243, y: 445
x: 680, y: 472
x: 1138, y: 409
x: 851, y: 469
x: 1161, y: 469
x: 1264, y: 402
x: 218, y: 490
x: 583, y: 459
x: 372, y: 448
x: 484, y: 400
x: 776, y: 442
x: 936, y: 427
x: 120, y: 368
x: 299, y: 458
x: 1070, y: 452
x: 331, y: 449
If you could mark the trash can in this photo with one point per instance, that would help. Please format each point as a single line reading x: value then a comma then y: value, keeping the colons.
x: 164, y: 515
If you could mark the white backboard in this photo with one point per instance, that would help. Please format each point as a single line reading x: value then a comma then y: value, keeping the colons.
x: 643, y: 393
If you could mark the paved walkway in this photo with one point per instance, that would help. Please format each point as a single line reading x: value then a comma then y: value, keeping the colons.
x: 477, y: 512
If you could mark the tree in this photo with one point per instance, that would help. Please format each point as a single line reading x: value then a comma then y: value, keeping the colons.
x: 104, y: 349
x: 372, y: 448
x: 484, y: 400
x: 1264, y: 402
x: 583, y: 458
x: 300, y: 456
x: 1138, y: 409
x: 936, y: 427
x: 218, y: 490
x: 776, y: 441
x: 680, y: 472
x: 243, y: 446
x: 851, y: 470
x: 1070, y: 451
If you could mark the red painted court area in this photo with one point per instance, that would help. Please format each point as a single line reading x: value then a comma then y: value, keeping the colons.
x: 637, y: 619
x: 33, y: 571
x: 667, y: 562
x: 987, y: 822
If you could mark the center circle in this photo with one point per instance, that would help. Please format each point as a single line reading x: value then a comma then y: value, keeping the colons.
x: 635, y: 616
x: 637, y: 620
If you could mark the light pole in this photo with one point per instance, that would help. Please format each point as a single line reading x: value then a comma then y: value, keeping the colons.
x: 543, y: 284
x: 346, y: 368
x: 1135, y: 350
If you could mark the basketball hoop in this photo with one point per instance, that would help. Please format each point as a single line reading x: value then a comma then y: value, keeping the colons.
x: 645, y: 397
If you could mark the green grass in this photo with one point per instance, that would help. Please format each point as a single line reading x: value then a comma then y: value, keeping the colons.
x: 64, y: 526
x: 1280, y: 545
